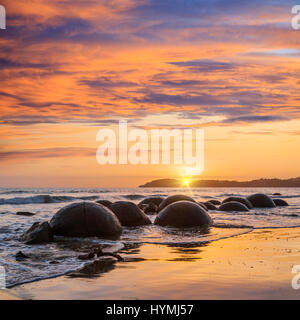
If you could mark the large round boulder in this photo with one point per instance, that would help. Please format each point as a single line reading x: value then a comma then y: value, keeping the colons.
x: 242, y: 200
x: 86, y: 219
x: 129, y: 214
x: 260, y: 200
x: 233, y: 206
x: 156, y: 200
x: 174, y: 198
x: 183, y: 214
x: 280, y: 203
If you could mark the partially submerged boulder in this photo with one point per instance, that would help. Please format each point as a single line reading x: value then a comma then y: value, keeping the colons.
x: 86, y: 219
x: 209, y: 205
x: 174, y: 198
x: 156, y: 200
x: 129, y: 214
x: 233, y: 206
x: 280, y: 203
x: 151, y: 208
x: 105, y: 203
x: 242, y: 200
x: 261, y: 200
x: 183, y: 214
x: 39, y: 232
x: 215, y: 202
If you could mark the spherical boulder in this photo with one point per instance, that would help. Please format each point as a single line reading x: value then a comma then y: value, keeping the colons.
x: 156, y: 200
x: 151, y: 208
x: 244, y: 201
x: 86, y: 219
x: 280, y: 203
x: 215, y: 202
x: 260, y: 200
x: 233, y: 206
x: 105, y: 203
x: 129, y: 214
x: 183, y: 214
x: 174, y: 198
x: 209, y: 205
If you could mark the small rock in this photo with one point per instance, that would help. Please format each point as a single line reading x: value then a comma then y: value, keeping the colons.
x: 97, y: 251
x: 97, y: 266
x: 24, y: 213
x: 21, y: 256
x: 39, y: 232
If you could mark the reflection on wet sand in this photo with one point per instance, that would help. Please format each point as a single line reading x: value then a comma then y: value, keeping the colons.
x: 256, y: 265
x: 187, y: 253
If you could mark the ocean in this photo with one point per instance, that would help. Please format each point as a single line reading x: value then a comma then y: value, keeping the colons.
x: 64, y: 251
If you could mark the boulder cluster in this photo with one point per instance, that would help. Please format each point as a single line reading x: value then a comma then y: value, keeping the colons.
x: 105, y: 219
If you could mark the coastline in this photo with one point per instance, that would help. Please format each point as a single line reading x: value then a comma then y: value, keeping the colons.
x: 205, y: 183
x: 256, y: 265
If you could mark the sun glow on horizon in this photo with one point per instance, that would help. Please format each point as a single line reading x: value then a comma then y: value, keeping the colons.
x: 186, y: 182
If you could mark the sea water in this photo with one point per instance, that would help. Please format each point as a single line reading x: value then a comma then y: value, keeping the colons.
x: 60, y: 257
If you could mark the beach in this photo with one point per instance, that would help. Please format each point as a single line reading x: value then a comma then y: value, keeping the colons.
x: 256, y: 265
x: 242, y: 255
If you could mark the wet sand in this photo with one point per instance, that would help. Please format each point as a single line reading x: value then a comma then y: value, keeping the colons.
x: 256, y: 265
x: 8, y: 295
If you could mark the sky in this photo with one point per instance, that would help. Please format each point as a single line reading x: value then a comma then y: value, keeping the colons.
x: 71, y: 68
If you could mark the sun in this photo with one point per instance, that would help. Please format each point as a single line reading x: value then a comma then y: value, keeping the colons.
x: 186, y: 182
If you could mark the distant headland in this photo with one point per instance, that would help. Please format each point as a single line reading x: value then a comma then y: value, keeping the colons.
x: 198, y: 183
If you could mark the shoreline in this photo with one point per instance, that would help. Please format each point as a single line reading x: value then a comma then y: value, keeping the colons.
x: 7, y: 294
x: 254, y: 265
